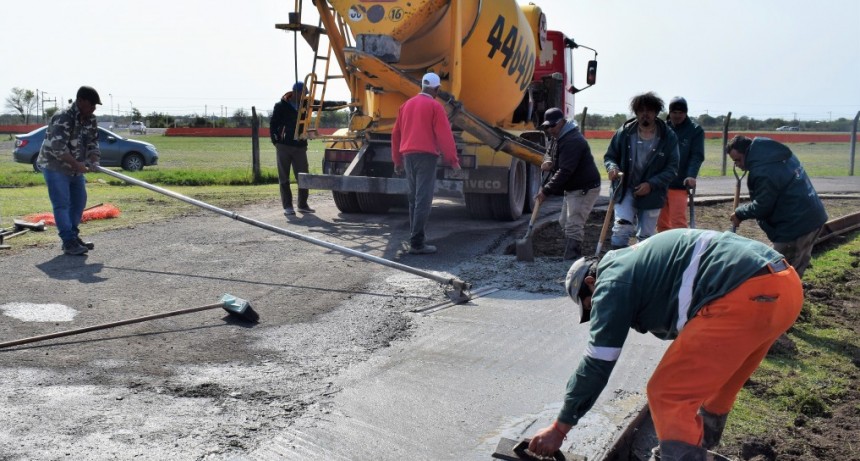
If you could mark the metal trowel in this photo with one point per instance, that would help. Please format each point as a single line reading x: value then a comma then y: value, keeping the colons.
x: 518, y: 450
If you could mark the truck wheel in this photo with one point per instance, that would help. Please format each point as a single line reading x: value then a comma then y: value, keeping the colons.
x: 373, y: 203
x: 346, y: 202
x: 534, y: 184
x: 478, y: 206
x: 398, y: 201
x: 509, y: 207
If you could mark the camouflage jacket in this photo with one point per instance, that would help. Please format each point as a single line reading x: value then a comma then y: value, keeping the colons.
x: 66, y: 134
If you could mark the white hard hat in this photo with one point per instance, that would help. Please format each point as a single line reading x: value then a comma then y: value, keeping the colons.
x: 575, y: 281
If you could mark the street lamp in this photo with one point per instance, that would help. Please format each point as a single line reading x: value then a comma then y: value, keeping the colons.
x: 111, y: 109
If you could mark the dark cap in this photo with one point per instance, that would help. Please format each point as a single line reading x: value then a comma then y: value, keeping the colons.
x: 90, y: 94
x: 551, y: 118
x: 299, y: 87
x: 678, y: 103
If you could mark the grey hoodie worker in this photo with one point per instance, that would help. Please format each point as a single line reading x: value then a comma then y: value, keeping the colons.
x: 782, y: 198
x: 645, y: 149
x: 574, y: 174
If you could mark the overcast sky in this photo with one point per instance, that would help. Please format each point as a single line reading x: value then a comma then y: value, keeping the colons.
x: 760, y: 58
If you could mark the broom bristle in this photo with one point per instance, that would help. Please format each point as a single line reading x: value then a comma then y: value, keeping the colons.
x: 103, y: 211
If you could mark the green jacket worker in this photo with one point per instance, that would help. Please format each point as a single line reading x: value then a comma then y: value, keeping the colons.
x: 722, y: 298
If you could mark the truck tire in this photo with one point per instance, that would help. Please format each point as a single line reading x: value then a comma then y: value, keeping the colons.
x: 509, y: 207
x: 346, y: 202
x: 373, y: 203
x: 478, y: 206
x: 398, y: 201
x: 535, y: 181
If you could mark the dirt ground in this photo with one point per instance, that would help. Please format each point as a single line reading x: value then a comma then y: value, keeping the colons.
x: 827, y: 436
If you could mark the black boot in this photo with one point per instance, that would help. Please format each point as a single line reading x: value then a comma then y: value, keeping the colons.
x: 673, y: 450
x: 714, y: 425
x: 572, y: 249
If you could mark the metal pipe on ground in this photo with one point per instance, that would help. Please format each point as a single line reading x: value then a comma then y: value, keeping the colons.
x: 236, y: 307
x: 459, y: 292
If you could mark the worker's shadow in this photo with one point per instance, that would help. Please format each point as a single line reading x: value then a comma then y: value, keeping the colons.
x: 64, y: 267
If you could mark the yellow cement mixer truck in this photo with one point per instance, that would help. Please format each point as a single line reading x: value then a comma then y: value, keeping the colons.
x: 501, y: 69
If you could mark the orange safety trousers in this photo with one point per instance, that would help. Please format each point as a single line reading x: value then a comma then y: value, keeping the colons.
x: 673, y: 215
x: 718, y: 350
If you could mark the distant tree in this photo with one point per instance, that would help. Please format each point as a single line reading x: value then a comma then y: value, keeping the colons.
x: 159, y: 120
x: 22, y: 101
x: 136, y: 115
x: 334, y: 119
x: 49, y: 112
x: 241, y: 118
x: 198, y: 121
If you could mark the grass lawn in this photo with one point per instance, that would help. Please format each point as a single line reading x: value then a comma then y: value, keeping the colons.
x: 218, y: 171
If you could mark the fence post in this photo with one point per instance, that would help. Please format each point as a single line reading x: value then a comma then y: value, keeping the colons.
x: 853, y: 144
x: 726, y: 140
x: 255, y: 144
x: 584, y: 116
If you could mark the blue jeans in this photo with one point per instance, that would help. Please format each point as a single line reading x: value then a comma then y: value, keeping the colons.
x: 69, y: 198
x: 421, y: 177
x: 630, y: 220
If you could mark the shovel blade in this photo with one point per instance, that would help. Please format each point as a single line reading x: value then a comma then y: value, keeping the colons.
x: 525, y: 250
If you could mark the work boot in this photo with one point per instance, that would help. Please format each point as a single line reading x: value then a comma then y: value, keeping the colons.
x: 89, y: 245
x: 423, y: 250
x: 306, y: 209
x: 289, y: 211
x: 572, y: 249
x: 72, y: 247
x: 713, y: 427
x: 673, y: 450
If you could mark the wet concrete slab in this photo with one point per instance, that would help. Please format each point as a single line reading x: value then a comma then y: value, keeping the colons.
x: 469, y: 375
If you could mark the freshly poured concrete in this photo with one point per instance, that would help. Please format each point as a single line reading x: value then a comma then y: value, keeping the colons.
x: 471, y: 374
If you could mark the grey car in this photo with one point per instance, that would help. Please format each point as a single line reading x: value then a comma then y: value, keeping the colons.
x: 130, y: 154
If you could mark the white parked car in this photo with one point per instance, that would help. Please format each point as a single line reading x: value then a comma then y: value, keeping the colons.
x: 137, y: 128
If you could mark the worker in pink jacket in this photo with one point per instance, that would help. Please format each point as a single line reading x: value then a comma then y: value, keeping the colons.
x: 421, y: 133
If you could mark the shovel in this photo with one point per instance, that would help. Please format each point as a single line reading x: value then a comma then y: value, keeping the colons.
x: 525, y: 249
x: 691, y: 194
x: 737, y: 199
x: 236, y: 307
x: 608, y: 218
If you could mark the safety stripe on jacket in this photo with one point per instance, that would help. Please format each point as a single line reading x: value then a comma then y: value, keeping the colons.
x: 609, y: 354
x: 685, y: 293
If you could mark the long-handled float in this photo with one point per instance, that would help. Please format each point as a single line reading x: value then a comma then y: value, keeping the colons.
x: 456, y: 289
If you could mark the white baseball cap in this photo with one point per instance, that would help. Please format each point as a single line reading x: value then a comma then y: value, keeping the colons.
x: 430, y: 80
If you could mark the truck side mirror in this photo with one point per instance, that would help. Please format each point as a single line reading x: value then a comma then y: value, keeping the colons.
x: 591, y: 73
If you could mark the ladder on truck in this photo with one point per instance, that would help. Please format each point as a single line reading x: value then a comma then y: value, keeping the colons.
x: 307, y: 126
